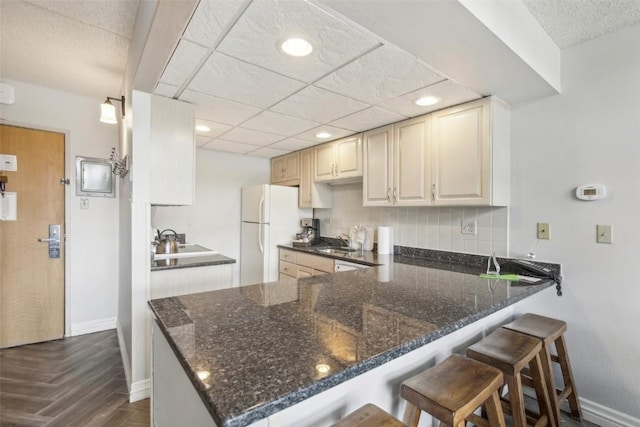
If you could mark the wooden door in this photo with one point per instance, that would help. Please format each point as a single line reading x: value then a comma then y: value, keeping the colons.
x: 348, y: 157
x: 31, y: 283
x: 277, y: 169
x: 292, y: 166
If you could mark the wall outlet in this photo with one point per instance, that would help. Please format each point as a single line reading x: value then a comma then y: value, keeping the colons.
x: 84, y: 203
x: 468, y: 227
x: 604, y: 234
x: 543, y: 231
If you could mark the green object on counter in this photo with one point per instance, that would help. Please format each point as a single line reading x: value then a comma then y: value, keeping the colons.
x: 512, y: 277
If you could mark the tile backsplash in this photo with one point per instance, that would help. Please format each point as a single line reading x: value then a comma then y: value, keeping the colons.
x: 421, y: 227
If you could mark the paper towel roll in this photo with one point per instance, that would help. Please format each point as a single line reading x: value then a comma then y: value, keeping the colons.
x: 385, y: 240
x: 385, y: 271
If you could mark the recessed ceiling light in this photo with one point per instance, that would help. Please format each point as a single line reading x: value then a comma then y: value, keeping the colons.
x: 425, y: 101
x: 296, y: 46
x: 323, y: 135
x: 203, y: 128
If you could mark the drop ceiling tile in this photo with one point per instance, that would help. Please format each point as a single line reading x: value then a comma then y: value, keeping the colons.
x: 267, y: 152
x: 229, y: 146
x: 211, y: 20
x: 216, y: 129
x: 384, y: 73
x: 280, y: 124
x: 253, y: 137
x: 184, y: 61
x: 163, y: 89
x: 292, y: 144
x: 267, y: 23
x: 218, y: 109
x: 335, y: 132
x: 370, y: 118
x: 231, y: 79
x: 320, y: 105
x: 202, y: 140
x: 452, y: 93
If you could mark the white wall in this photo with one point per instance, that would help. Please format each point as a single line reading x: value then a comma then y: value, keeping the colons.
x: 589, y: 134
x: 213, y: 220
x: 91, y: 275
x: 419, y: 227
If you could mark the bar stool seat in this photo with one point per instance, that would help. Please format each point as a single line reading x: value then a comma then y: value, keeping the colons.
x: 451, y: 392
x: 369, y: 415
x: 512, y: 352
x: 551, y: 332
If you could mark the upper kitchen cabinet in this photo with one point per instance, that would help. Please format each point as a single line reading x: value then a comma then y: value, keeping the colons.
x: 172, y: 158
x: 312, y: 194
x: 338, y: 160
x: 470, y: 154
x: 396, y: 164
x: 285, y: 170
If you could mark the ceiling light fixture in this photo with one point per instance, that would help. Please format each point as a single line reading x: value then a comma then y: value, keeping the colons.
x: 108, y: 110
x: 323, y: 135
x: 296, y: 46
x: 425, y: 101
x: 203, y: 128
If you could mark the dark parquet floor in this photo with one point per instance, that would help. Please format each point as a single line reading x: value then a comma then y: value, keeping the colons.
x: 76, y: 381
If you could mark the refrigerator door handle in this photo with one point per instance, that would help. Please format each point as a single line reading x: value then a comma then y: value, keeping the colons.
x: 261, y: 210
x: 260, y: 238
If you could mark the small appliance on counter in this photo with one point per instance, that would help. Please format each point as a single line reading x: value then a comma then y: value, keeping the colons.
x: 310, y: 232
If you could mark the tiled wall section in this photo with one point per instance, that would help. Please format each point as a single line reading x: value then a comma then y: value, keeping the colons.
x: 421, y: 227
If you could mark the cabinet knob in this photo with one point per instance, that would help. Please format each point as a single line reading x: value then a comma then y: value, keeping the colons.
x: 389, y: 194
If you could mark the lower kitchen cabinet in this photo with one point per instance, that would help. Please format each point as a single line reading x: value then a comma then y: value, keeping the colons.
x: 182, y: 281
x: 295, y: 264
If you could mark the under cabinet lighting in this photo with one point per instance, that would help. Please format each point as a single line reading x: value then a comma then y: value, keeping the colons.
x: 323, y: 135
x: 296, y: 46
x: 203, y: 128
x: 425, y: 101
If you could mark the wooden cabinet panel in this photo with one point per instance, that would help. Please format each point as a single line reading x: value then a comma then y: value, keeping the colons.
x: 285, y: 170
x: 312, y: 194
x: 337, y: 160
x: 411, y: 170
x: 288, y: 268
x: 316, y: 262
x: 470, y: 146
x: 287, y: 255
x: 377, y: 153
x: 305, y: 271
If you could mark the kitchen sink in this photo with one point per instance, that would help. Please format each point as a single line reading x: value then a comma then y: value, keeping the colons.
x: 335, y: 250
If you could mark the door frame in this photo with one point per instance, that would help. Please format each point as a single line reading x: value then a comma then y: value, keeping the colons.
x: 68, y: 172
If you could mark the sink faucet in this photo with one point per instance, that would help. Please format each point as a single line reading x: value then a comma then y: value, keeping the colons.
x: 344, y: 242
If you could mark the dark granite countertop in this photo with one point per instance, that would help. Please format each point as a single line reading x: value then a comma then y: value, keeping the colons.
x: 189, y: 262
x: 263, y: 343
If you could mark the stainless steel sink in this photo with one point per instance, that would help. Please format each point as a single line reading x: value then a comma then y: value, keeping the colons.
x: 335, y: 250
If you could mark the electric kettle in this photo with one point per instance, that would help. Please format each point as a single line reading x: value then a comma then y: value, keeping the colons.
x: 167, y: 244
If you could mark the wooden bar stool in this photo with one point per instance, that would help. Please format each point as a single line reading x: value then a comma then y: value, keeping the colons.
x: 551, y: 331
x: 511, y: 352
x: 368, y: 415
x: 451, y: 392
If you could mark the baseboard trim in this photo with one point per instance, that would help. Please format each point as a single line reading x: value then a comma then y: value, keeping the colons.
x: 92, y: 326
x: 140, y: 390
x: 597, y: 413
x: 123, y: 353
x: 602, y: 415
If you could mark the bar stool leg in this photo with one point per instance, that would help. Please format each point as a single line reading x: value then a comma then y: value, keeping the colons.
x: 567, y: 376
x: 411, y: 415
x: 540, y: 386
x: 494, y: 411
x: 516, y: 400
x: 551, y: 386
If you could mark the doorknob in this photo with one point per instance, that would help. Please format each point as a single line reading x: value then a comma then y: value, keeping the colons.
x: 53, y: 240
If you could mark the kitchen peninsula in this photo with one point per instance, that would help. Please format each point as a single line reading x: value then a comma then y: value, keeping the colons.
x: 242, y: 357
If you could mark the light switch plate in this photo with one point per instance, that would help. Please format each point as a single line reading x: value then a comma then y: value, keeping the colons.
x: 543, y: 230
x: 604, y: 234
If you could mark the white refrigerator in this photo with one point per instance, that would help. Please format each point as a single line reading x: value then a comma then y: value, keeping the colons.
x: 270, y: 217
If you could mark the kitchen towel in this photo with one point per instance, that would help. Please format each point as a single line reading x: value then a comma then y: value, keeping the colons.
x: 385, y: 240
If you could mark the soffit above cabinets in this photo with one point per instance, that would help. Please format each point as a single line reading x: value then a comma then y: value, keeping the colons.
x: 261, y: 102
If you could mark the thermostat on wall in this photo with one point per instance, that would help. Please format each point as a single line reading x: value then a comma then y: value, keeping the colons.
x: 590, y: 192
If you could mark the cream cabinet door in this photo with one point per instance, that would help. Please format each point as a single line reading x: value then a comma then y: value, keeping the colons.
x: 377, y: 153
x: 311, y: 194
x: 324, y: 162
x: 277, y: 169
x: 292, y: 166
x: 471, y: 154
x: 411, y: 162
x: 348, y: 157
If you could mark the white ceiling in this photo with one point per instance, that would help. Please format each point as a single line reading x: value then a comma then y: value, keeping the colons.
x: 256, y: 100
